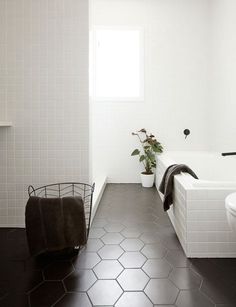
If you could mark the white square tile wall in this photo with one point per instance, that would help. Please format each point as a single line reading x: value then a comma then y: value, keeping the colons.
x: 44, y: 92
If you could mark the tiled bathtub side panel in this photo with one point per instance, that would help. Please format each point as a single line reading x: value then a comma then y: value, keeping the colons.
x: 204, y: 194
x: 199, y: 219
x: 178, y: 212
x: 208, y: 232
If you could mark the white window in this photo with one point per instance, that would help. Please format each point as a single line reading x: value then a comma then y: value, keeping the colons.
x: 118, y: 64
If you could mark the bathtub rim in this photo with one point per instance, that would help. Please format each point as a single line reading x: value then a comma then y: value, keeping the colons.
x: 189, y: 182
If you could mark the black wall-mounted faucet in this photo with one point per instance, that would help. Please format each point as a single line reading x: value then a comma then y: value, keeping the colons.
x: 186, y: 132
x: 228, y: 154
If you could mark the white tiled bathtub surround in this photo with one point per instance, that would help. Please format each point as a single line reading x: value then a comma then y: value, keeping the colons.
x: 198, y: 213
x: 44, y: 92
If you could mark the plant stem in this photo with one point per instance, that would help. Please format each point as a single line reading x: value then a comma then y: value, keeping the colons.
x: 143, y: 150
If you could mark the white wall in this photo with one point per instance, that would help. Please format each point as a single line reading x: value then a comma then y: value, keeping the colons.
x: 190, y: 72
x: 223, y: 61
x: 44, y: 92
x: 176, y: 83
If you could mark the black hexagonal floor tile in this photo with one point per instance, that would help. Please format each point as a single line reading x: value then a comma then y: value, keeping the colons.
x: 133, y: 299
x: 86, y: 260
x: 177, y: 259
x: 108, y: 269
x: 165, y: 231
x: 112, y: 238
x: 156, y: 250
x: 114, y: 217
x: 96, y: 233
x: 205, y: 268
x: 163, y: 221
x: 16, y: 300
x: 25, y: 282
x: 4, y: 288
x: 225, y: 262
x: 148, y: 227
x: 127, y: 214
x: 37, y: 263
x: 11, y: 270
x: 157, y: 268
x: 150, y: 237
x: 93, y: 245
x: 80, y: 280
x: 105, y: 292
x: 110, y: 252
x: 130, y: 232
x: 172, y: 243
x: 219, y: 291
x: 114, y: 227
x: 161, y: 291
x: 58, y: 270
x: 47, y: 294
x: 185, y: 279
x: 99, y: 223
x: 227, y: 270
x: 17, y: 239
x: 193, y: 298
x: 74, y: 300
x: 132, y: 245
x: 133, y: 280
x: 132, y: 260
x: 103, y: 212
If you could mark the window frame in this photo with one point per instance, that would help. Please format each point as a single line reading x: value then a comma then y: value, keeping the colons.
x: 139, y: 98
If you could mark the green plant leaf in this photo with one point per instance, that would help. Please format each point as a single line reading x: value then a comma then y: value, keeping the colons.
x: 157, y: 148
x: 135, y: 152
x: 141, y: 158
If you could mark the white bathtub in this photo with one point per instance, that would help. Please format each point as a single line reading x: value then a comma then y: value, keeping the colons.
x: 198, y: 213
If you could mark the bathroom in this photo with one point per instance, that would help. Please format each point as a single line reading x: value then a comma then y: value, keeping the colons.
x: 54, y: 129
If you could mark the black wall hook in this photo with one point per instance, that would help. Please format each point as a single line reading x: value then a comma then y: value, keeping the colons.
x: 186, y: 132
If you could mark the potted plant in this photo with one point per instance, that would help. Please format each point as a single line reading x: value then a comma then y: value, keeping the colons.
x: 150, y: 146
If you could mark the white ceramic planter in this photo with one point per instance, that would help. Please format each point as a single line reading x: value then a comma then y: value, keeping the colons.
x: 147, y: 180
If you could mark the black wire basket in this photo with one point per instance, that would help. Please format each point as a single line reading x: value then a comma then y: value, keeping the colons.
x: 65, y: 189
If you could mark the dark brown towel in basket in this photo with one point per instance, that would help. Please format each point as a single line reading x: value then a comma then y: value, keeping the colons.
x: 167, y: 182
x: 53, y: 224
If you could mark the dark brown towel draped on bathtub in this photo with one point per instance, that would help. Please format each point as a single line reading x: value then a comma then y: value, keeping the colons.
x: 53, y: 224
x: 167, y: 182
